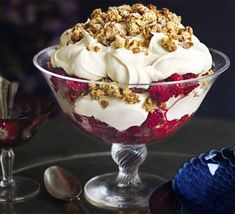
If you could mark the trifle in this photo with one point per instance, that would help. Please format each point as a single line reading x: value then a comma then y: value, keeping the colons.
x: 129, y: 76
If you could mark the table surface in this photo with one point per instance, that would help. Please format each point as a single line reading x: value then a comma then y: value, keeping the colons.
x: 59, y: 142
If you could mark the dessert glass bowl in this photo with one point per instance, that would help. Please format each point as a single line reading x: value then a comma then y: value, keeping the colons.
x: 177, y: 99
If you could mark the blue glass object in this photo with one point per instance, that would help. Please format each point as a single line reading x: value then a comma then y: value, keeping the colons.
x: 206, y: 184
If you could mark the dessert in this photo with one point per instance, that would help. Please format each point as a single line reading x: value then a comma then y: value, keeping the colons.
x: 137, y: 69
x: 129, y: 76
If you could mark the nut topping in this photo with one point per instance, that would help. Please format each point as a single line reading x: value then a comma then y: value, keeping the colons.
x: 120, y: 26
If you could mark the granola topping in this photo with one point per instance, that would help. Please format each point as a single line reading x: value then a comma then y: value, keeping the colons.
x: 120, y: 25
x: 149, y: 105
x: 131, y: 45
x: 127, y: 95
x: 104, y: 103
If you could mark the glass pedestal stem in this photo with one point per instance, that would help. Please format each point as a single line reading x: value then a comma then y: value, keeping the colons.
x: 128, y: 158
x: 7, y: 161
x: 125, y: 189
x: 17, y: 189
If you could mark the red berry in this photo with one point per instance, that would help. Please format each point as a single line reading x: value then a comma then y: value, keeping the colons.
x: 160, y: 93
x: 133, y: 130
x: 75, y: 88
x: 184, y: 88
x: 189, y: 86
x: 176, y: 89
x: 154, y: 119
x: 56, y: 83
x: 175, y: 77
x: 189, y: 76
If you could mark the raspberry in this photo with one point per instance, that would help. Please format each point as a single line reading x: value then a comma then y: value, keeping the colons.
x: 75, y: 88
x: 57, y: 81
x: 59, y: 71
x: 175, y: 77
x: 189, y: 86
x: 160, y: 93
x: 189, y: 76
x: 133, y: 130
x: 176, y: 89
x: 154, y: 119
x: 185, y: 88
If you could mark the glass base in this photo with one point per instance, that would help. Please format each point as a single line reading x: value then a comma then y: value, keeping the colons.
x: 103, y: 191
x: 23, y: 189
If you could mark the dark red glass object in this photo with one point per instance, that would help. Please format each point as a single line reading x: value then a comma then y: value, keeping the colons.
x: 26, y: 117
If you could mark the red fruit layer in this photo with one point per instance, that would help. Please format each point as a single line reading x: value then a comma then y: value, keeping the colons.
x: 75, y: 89
x: 134, y: 135
x: 162, y: 93
x: 69, y: 88
x: 154, y: 119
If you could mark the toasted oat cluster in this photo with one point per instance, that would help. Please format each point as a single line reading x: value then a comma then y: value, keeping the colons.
x: 97, y: 91
x: 150, y: 105
x: 120, y: 26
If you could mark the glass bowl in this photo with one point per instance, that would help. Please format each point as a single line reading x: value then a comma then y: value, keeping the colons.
x: 124, y: 116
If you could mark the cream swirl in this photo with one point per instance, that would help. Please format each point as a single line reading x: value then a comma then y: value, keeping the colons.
x: 196, y: 59
x: 123, y: 66
x: 77, y: 60
x: 126, y: 67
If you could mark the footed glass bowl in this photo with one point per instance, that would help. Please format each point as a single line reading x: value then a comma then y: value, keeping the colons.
x: 128, y: 116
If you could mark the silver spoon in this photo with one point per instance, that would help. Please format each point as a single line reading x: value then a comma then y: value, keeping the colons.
x: 61, y: 184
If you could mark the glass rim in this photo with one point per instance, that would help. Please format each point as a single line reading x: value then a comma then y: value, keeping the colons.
x: 206, y: 77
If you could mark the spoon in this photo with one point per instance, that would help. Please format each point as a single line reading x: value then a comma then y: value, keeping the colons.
x: 62, y: 185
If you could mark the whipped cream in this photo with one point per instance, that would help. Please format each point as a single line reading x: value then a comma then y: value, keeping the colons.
x: 186, y: 105
x: 77, y: 60
x: 123, y: 66
x: 117, y: 114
